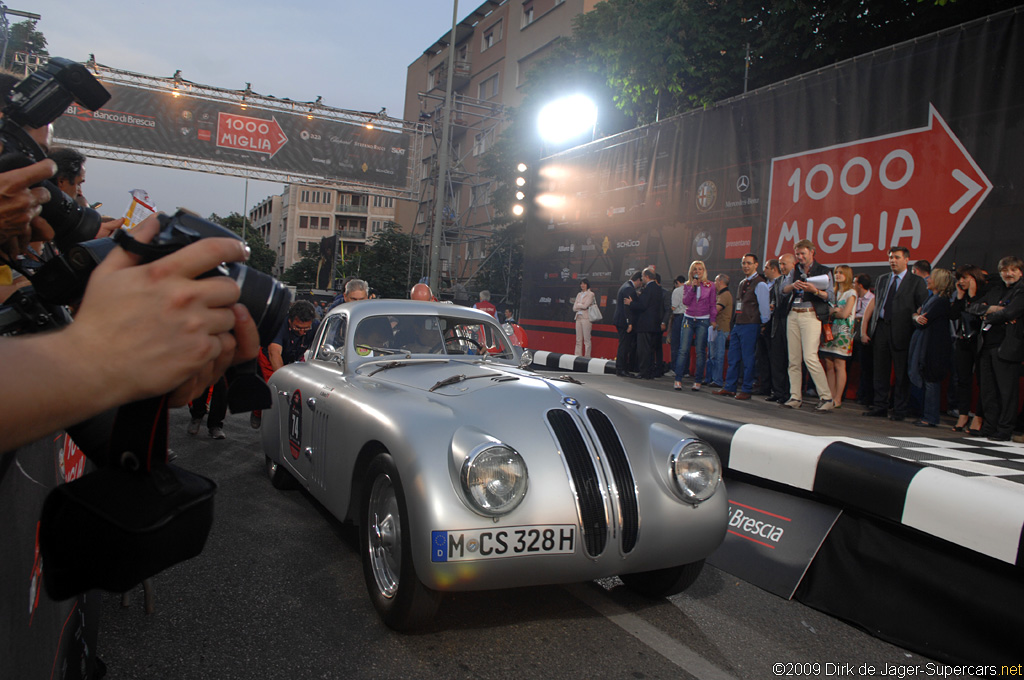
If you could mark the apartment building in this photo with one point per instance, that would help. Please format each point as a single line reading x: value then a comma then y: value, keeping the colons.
x: 293, y: 223
x: 495, y: 46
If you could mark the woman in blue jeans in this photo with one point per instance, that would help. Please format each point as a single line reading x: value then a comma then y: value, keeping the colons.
x: 701, y: 310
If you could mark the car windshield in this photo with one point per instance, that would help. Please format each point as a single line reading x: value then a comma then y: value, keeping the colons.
x: 428, y: 334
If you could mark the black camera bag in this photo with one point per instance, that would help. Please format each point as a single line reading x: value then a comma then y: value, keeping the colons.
x: 114, y: 527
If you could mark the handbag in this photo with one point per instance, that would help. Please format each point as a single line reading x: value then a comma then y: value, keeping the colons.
x: 826, y: 329
x: 594, y: 312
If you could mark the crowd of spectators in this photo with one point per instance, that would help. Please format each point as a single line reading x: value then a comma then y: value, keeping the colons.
x: 794, y: 330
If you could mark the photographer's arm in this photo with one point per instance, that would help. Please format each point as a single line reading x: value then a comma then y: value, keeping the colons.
x: 141, y: 331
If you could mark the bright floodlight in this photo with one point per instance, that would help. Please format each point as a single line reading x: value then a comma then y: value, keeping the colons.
x: 517, y: 210
x: 521, y: 167
x: 566, y: 118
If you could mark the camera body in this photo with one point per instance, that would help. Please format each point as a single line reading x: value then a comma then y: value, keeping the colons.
x: 35, y: 102
x: 62, y: 280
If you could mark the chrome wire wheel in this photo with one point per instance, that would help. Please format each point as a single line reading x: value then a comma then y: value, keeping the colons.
x: 384, y: 531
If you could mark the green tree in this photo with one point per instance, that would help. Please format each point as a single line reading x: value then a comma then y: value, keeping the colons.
x: 385, y: 264
x: 23, y: 37
x: 261, y: 257
x: 302, y: 274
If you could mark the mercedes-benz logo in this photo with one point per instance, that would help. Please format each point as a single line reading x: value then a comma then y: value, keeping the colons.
x: 742, y: 184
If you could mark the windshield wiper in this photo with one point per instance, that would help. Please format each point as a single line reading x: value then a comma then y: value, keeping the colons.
x: 460, y: 377
x: 448, y: 381
x: 384, y: 367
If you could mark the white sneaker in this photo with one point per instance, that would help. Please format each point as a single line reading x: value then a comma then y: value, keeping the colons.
x: 216, y: 433
x: 792, y: 403
x: 193, y: 426
x: 824, y: 406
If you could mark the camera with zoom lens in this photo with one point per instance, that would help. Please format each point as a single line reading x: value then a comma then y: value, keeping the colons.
x: 62, y: 280
x: 35, y: 102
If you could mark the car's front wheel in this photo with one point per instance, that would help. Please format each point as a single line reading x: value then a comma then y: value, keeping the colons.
x: 663, y: 582
x: 400, y: 598
x: 279, y: 477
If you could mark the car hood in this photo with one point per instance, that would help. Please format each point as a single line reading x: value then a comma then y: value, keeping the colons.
x: 449, y: 378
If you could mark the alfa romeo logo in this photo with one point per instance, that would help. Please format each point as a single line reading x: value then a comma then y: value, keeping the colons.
x: 706, y: 195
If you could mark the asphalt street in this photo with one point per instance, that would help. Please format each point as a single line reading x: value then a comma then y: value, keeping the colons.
x: 278, y: 593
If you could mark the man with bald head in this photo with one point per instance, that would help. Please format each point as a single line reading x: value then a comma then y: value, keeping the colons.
x: 421, y: 292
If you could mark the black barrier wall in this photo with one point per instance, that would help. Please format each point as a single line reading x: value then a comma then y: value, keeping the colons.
x: 919, y: 145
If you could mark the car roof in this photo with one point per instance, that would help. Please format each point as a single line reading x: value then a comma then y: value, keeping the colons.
x: 358, y: 311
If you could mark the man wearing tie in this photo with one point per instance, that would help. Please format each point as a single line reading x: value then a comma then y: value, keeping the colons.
x: 898, y: 295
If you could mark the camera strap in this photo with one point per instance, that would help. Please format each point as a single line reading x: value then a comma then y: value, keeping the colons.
x: 140, y: 432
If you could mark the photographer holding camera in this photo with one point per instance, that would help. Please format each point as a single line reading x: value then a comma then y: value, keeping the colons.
x: 141, y: 331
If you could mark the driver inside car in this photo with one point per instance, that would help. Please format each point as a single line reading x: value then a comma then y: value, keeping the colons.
x: 418, y: 334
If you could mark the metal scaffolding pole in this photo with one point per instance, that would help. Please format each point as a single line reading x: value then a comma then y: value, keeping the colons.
x: 442, y: 172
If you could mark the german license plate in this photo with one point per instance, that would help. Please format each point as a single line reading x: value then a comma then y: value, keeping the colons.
x: 495, y: 543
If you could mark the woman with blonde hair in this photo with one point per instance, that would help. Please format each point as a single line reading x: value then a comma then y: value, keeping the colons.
x: 701, y: 310
x: 836, y: 352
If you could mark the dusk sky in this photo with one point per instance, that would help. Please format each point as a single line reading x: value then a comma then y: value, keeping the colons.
x: 353, y: 54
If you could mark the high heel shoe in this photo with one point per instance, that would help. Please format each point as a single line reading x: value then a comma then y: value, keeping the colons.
x: 960, y: 428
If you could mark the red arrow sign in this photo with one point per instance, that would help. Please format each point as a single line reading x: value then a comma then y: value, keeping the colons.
x: 854, y: 201
x: 250, y: 134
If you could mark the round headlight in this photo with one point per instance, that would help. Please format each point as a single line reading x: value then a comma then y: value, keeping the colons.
x: 494, y: 480
x: 695, y: 470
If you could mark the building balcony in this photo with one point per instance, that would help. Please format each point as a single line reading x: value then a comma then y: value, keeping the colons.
x: 352, y: 235
x: 461, y: 73
x: 351, y: 209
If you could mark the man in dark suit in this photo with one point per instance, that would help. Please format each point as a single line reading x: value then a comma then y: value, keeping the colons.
x: 625, y: 355
x: 778, y: 347
x: 898, y: 295
x: 647, y: 321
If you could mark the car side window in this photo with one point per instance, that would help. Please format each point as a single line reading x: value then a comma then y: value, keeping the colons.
x: 332, y: 336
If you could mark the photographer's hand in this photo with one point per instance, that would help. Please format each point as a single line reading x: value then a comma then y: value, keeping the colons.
x: 175, y: 329
x: 141, y: 331
x: 20, y: 204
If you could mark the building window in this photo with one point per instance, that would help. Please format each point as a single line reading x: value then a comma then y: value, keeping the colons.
x: 480, y: 143
x: 378, y: 226
x: 303, y: 222
x: 480, y: 194
x: 527, y: 13
x: 491, y: 36
x: 489, y: 88
x: 304, y: 196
